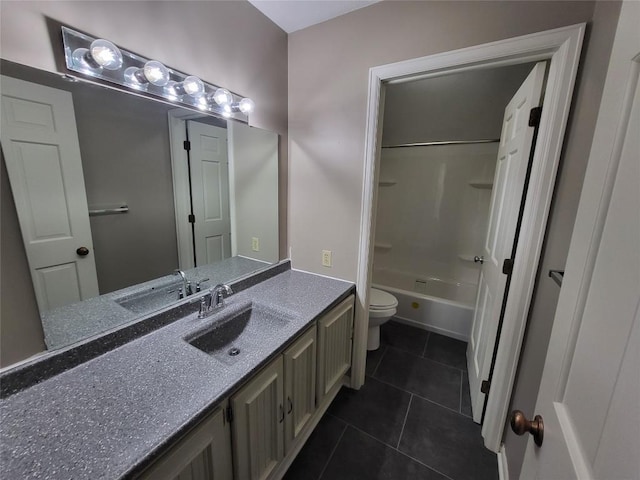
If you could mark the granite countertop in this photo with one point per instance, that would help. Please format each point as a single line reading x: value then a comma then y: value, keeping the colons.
x: 70, y: 323
x: 112, y: 415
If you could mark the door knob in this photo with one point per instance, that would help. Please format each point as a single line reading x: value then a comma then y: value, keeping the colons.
x: 520, y: 425
x: 478, y: 259
x: 82, y: 251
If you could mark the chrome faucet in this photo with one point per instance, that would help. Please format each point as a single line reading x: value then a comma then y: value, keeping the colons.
x: 186, y: 285
x: 214, y: 300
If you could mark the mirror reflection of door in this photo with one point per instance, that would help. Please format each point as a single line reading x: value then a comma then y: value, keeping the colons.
x: 209, y: 174
x: 42, y: 153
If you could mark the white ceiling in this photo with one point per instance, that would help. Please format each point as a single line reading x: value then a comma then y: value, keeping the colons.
x: 293, y: 15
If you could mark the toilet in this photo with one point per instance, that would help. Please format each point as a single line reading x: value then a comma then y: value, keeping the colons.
x: 382, y: 306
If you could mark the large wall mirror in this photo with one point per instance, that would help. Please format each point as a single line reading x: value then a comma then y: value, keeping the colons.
x: 115, y: 192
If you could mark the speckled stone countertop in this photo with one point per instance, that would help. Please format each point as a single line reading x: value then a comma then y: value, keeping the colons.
x: 71, y: 323
x: 109, y: 417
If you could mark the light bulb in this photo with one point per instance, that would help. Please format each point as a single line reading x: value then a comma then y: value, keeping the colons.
x: 156, y: 73
x: 105, y: 54
x: 153, y: 72
x: 247, y: 105
x: 193, y: 86
x: 202, y: 103
x: 171, y: 90
x: 223, y: 96
x: 135, y: 79
x: 226, y: 111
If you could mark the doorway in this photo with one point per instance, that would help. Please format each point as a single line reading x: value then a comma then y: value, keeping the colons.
x: 444, y: 220
x: 561, y: 47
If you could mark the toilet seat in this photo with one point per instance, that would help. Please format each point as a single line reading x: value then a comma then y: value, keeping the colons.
x: 380, y: 300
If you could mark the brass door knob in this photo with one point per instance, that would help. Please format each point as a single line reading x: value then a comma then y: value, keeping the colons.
x: 82, y: 251
x: 520, y: 425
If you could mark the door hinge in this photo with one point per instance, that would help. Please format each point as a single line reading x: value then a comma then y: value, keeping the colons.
x: 229, y: 414
x: 507, y: 266
x: 187, y: 145
x: 534, y: 116
x: 485, y: 386
x: 192, y: 218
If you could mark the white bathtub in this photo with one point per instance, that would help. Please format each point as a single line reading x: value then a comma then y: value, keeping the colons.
x: 436, y: 304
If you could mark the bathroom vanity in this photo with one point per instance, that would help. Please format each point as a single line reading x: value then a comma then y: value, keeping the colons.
x: 233, y: 395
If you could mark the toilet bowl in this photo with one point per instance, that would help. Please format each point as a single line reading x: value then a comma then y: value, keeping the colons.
x: 382, y: 306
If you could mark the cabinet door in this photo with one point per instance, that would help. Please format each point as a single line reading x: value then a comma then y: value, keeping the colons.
x: 258, y: 428
x: 204, y: 454
x: 300, y: 385
x: 334, y: 346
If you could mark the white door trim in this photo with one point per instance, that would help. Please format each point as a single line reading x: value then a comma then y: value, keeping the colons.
x: 180, y: 176
x: 562, y: 47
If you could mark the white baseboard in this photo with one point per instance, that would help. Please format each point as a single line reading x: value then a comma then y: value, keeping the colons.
x: 503, y: 468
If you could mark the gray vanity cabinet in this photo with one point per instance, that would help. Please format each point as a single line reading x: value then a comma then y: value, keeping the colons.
x: 335, y: 336
x: 203, y: 454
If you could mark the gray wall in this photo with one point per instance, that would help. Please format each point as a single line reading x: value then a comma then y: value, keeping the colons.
x: 328, y: 78
x: 590, y: 83
x: 200, y: 38
x: 461, y: 106
x: 21, y: 332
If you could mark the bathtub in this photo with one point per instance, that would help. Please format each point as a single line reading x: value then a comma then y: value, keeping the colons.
x: 436, y: 304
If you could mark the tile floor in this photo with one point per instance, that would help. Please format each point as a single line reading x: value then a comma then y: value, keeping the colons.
x: 411, y: 419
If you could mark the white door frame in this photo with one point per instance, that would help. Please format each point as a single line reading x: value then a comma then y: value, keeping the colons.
x: 562, y: 47
x: 180, y: 176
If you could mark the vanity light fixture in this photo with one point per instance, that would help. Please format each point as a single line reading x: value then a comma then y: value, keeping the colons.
x: 99, y: 58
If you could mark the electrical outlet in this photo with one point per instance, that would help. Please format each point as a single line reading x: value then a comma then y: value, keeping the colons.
x: 255, y: 244
x: 326, y: 258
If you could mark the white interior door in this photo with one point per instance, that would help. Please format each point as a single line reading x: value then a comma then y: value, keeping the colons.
x: 589, y: 396
x: 42, y: 153
x: 210, y: 192
x: 513, y: 157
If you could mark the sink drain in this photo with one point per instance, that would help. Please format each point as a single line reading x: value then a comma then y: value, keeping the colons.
x: 234, y: 351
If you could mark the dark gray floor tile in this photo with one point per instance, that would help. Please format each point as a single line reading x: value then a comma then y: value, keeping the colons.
x: 448, y: 442
x: 360, y: 457
x: 421, y: 376
x: 465, y: 404
x: 315, y: 454
x: 377, y: 409
x: 447, y: 350
x: 404, y: 337
x: 373, y: 359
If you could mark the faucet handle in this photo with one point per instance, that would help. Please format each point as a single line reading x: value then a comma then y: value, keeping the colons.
x: 204, y: 307
x: 198, y: 288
